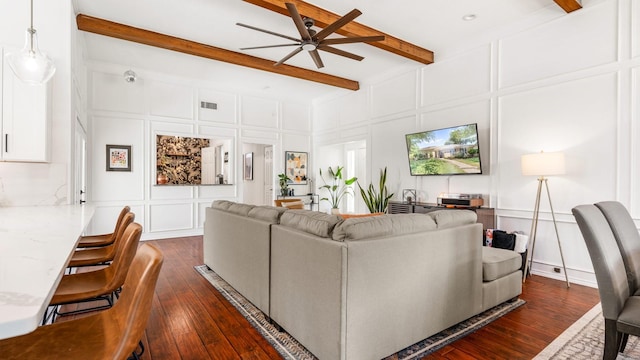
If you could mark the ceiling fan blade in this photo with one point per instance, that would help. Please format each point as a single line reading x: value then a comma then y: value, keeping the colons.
x: 338, y: 24
x: 268, y: 46
x: 340, y: 52
x: 268, y: 32
x: 349, y: 40
x: 291, y: 54
x: 297, y: 19
x: 316, y: 58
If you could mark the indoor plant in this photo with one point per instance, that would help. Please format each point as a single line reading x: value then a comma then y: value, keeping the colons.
x: 377, y: 201
x: 337, y: 186
x: 283, y: 181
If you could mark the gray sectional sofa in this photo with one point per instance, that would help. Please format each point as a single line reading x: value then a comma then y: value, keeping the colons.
x: 360, y: 288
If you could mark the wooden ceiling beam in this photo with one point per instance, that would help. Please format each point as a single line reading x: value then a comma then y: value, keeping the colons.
x: 569, y: 5
x: 323, y: 18
x: 146, y: 37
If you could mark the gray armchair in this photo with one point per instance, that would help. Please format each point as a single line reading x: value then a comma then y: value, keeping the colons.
x: 626, y: 234
x: 621, y: 311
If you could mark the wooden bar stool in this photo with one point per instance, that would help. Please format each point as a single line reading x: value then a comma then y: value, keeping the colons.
x: 103, y: 239
x: 98, y: 284
x: 111, y: 334
x: 101, y: 255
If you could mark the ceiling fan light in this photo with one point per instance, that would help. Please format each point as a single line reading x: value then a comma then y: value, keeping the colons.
x: 309, y: 46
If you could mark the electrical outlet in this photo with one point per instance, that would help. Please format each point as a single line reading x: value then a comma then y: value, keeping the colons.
x: 556, y: 270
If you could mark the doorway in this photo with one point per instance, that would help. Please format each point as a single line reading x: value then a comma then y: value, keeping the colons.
x: 259, y: 189
x: 80, y: 164
x: 353, y: 157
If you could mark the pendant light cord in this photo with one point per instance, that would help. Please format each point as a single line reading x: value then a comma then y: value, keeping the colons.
x: 31, y: 29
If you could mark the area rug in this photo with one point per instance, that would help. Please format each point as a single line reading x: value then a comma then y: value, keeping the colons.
x: 585, y: 340
x: 289, y: 348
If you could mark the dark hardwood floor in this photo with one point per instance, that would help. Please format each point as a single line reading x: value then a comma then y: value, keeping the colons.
x: 191, y: 320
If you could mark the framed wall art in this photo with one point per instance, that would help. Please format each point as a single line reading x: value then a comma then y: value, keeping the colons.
x: 118, y: 157
x: 296, y: 166
x: 248, y: 166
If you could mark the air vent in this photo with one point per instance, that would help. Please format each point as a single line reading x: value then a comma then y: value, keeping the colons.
x: 208, y: 105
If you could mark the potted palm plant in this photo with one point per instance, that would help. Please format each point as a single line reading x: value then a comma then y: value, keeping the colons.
x: 377, y: 200
x: 337, y: 187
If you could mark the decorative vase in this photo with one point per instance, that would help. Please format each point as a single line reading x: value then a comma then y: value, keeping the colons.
x: 284, y: 191
x: 335, y: 211
x: 162, y: 179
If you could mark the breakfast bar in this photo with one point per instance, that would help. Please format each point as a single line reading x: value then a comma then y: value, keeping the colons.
x: 36, y: 243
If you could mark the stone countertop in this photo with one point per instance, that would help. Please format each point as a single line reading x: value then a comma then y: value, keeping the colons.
x: 36, y: 243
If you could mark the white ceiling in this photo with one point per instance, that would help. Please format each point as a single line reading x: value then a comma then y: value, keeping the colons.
x: 433, y: 24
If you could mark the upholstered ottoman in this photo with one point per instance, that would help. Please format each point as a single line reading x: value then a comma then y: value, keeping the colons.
x: 501, y: 276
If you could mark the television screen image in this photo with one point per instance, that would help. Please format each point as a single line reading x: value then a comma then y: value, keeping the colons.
x: 448, y: 151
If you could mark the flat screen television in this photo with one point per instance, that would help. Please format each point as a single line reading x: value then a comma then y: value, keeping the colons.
x: 449, y: 151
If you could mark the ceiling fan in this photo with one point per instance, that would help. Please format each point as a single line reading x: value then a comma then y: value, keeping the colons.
x: 313, y: 41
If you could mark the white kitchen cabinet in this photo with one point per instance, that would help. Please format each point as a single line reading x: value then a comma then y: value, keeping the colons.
x: 25, y: 119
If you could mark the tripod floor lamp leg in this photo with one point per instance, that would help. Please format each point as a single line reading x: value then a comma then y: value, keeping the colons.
x: 532, y: 233
x: 555, y: 226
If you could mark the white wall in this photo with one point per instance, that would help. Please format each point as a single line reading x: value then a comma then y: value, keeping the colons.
x: 561, y: 83
x: 133, y: 114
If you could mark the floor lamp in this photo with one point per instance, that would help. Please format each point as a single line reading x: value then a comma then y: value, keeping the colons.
x: 543, y: 164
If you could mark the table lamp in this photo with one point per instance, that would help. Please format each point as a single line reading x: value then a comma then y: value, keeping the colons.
x: 543, y: 164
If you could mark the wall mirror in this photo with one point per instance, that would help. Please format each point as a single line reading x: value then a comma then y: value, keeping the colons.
x: 182, y: 160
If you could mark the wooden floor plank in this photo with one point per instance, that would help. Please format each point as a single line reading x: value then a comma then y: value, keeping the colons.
x: 190, y: 319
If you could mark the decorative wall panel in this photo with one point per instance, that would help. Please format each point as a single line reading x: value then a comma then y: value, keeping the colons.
x: 458, y: 77
x: 567, y: 44
x: 296, y: 117
x: 259, y: 112
x: 117, y: 185
x: 110, y: 92
x: 170, y: 100
x: 635, y: 29
x: 167, y: 217
x: 225, y: 107
x: 394, y: 96
x: 578, y: 118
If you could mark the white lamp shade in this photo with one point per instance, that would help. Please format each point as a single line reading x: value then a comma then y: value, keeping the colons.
x: 543, y: 164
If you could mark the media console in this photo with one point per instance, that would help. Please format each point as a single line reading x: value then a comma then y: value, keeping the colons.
x: 486, y: 216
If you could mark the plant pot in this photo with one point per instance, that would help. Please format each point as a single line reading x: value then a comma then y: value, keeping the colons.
x: 162, y: 179
x: 284, y: 192
x: 335, y: 211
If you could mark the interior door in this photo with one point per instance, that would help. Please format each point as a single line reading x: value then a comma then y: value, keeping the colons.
x: 80, y: 164
x: 268, y: 175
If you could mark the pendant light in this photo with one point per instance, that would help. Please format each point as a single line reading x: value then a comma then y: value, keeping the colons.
x: 30, y: 64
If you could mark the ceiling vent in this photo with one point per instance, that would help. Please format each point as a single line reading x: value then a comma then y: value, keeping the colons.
x: 208, y: 105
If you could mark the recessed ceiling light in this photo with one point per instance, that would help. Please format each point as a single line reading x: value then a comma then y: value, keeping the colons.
x: 469, y: 17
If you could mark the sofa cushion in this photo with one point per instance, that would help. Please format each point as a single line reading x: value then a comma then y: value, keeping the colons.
x: 313, y: 222
x: 450, y: 218
x: 240, y: 209
x: 222, y: 204
x: 497, y: 263
x: 270, y: 214
x: 385, y: 225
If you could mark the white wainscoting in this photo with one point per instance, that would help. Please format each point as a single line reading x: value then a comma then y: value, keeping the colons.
x: 133, y: 114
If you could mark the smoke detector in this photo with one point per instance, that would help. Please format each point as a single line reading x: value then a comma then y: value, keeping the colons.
x: 130, y: 76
